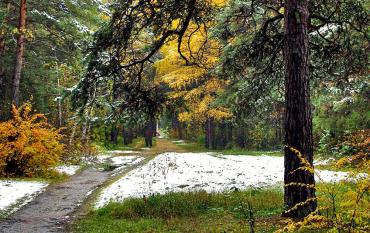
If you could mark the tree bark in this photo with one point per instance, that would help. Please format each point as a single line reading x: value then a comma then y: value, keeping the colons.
x: 114, y: 135
x: 210, y: 140
x: 60, y: 114
x: 229, y: 133
x: 72, y: 136
x: 2, y: 52
x: 148, y: 134
x: 127, y: 134
x: 4, y: 109
x: 207, y: 136
x: 84, y: 133
x: 19, y: 51
x: 298, y: 119
x: 181, y: 136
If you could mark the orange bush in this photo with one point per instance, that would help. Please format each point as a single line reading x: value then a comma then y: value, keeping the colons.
x: 29, y: 146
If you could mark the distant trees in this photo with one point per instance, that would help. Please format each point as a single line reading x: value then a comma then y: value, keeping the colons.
x: 193, y: 90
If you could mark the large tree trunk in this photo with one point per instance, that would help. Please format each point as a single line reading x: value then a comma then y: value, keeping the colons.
x: 20, y: 51
x: 300, y: 199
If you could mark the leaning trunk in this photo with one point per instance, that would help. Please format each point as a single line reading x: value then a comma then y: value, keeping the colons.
x: 299, y: 189
x: 19, y: 51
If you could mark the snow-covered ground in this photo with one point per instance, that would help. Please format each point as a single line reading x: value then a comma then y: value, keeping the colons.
x: 124, y: 152
x: 14, y: 194
x: 174, y: 172
x: 321, y: 162
x: 126, y: 160
x: 179, y: 141
x: 102, y: 158
x: 68, y: 169
x: 145, y: 148
x: 122, y: 162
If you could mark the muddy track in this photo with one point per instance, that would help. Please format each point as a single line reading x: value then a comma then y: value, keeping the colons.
x: 51, y: 211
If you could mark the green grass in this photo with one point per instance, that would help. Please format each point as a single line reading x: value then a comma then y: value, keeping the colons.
x: 196, y: 147
x: 186, y: 212
x: 202, y: 212
x: 137, y: 143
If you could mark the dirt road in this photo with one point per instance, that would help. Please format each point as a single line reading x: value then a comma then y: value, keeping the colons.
x: 52, y: 210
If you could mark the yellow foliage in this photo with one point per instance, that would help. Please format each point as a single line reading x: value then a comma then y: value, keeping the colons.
x: 343, y: 207
x: 360, y: 142
x: 28, y: 144
x: 193, y: 83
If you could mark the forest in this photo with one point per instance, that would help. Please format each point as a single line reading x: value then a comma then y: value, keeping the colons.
x: 184, y: 116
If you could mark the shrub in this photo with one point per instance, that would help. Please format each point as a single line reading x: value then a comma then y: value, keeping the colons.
x: 357, y: 146
x: 344, y: 207
x: 29, y: 146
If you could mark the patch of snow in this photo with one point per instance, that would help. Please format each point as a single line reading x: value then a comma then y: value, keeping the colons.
x: 185, y: 172
x: 80, y: 26
x: 145, y: 148
x: 178, y: 141
x: 320, y: 162
x: 126, y: 160
x: 45, y: 14
x: 68, y: 169
x: 90, y: 192
x: 124, y: 152
x: 18, y: 193
x: 102, y: 158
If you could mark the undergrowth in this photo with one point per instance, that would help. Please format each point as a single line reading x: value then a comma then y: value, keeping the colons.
x: 184, y: 212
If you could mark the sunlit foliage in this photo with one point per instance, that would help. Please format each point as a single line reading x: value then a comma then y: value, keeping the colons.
x: 29, y: 146
x: 193, y: 84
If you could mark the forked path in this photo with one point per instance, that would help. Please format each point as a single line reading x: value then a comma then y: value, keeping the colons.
x: 53, y: 210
